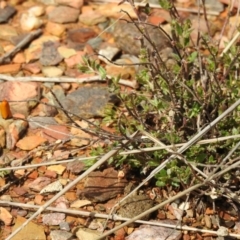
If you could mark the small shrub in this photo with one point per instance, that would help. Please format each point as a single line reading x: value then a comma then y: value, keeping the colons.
x: 175, y: 102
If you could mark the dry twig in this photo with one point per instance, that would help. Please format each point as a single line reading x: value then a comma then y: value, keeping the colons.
x: 31, y: 36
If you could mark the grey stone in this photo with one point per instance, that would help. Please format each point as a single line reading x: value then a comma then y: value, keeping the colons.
x: 102, y: 186
x: 61, y: 235
x: 6, y: 13
x: 63, y: 14
x: 127, y: 34
x: 135, y: 205
x: 88, y: 102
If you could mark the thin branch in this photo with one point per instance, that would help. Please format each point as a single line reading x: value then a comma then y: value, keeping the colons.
x: 132, y: 84
x: 31, y: 36
x: 113, y: 217
x: 150, y: 149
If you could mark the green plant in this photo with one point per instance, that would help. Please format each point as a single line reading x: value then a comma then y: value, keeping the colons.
x: 174, y: 102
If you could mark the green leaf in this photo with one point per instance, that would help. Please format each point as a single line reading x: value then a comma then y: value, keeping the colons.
x: 192, y: 56
x: 160, y: 184
x: 102, y: 72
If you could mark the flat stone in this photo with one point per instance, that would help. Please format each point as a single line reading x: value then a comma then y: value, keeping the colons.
x: 52, y: 187
x: 80, y: 203
x: 50, y: 56
x: 10, y: 68
x: 60, y: 235
x: 37, y: 11
x: 6, y: 13
x: 32, y: 230
x: 73, y: 3
x: 125, y: 72
x: 75, y: 59
x: 125, y: 35
x: 92, y: 18
x: 13, y: 91
x: 34, y: 51
x: 75, y: 167
x: 63, y: 14
x: 64, y: 226
x: 19, y: 58
x: 102, y: 186
x: 38, y: 184
x: 55, y: 29
x: 114, y: 10
x: 81, y: 35
x: 53, y: 218
x: 19, y: 212
x: 81, y: 137
x: 5, y: 216
x: 29, y: 22
x: 50, y: 174
x: 108, y: 52
x: 36, y: 122
x: 135, y: 205
x: 32, y: 67
x: 31, y: 142
x: 88, y: 234
x: 59, y: 169
x: 7, y: 32
x: 52, y: 71
x: 14, y: 132
x: 88, y: 102
x: 55, y: 132
x: 20, y: 190
x: 66, y: 52
x: 155, y: 232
